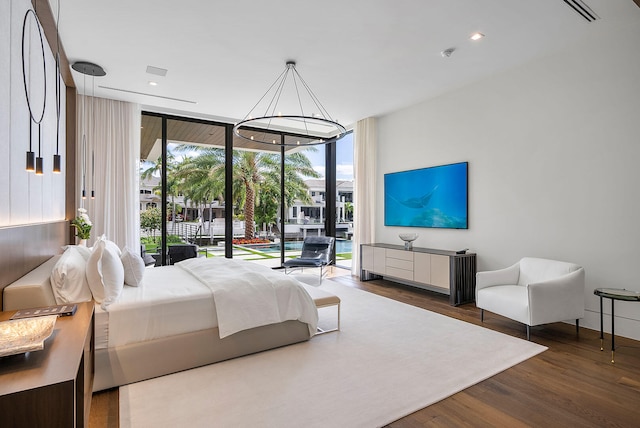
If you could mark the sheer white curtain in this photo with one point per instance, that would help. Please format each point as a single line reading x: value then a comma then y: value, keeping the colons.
x: 364, y: 192
x: 110, y: 162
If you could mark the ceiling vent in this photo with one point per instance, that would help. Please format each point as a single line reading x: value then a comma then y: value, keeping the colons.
x: 582, y: 9
x: 156, y: 70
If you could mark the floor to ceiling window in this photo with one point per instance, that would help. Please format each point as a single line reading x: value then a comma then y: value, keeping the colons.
x: 228, y: 196
x: 344, y: 200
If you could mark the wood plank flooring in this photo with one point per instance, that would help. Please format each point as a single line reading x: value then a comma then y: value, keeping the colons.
x: 572, y: 384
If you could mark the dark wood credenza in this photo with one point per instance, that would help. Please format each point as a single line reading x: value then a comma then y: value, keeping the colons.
x: 51, y: 387
x: 442, y: 271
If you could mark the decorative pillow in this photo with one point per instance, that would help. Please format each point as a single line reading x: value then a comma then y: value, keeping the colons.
x: 84, y: 251
x: 68, y: 278
x: 105, y: 273
x: 133, y: 267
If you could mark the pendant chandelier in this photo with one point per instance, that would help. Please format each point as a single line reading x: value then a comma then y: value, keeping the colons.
x: 93, y: 70
x: 56, y: 156
x: 310, y: 122
x: 36, y: 112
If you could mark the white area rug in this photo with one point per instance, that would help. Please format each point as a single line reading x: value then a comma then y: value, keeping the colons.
x: 389, y: 360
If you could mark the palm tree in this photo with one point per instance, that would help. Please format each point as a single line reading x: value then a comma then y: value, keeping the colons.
x: 259, y: 173
x: 256, y: 178
x: 202, y: 176
x: 173, y: 182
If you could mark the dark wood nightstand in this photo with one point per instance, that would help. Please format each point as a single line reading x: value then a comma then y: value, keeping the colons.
x: 51, y: 387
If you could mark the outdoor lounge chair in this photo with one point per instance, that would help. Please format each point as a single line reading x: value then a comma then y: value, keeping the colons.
x: 317, y: 252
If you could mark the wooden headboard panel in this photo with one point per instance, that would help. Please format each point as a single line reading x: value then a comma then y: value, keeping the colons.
x: 26, y: 247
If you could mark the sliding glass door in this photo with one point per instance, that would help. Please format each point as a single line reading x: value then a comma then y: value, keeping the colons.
x: 234, y: 198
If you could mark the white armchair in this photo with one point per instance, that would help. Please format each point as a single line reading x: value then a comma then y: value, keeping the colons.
x: 533, y: 292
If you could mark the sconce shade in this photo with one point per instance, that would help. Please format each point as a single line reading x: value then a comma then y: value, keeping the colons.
x: 31, y: 161
x: 39, y: 165
x: 56, y: 164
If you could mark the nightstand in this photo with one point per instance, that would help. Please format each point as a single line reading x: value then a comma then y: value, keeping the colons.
x: 51, y: 387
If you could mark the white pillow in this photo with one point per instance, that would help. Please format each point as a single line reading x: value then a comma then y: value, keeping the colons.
x: 84, y: 251
x: 133, y: 267
x: 105, y: 273
x: 68, y: 278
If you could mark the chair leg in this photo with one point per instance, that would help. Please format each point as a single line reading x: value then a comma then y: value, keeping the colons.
x: 481, y: 315
x: 577, y: 327
x: 528, y: 332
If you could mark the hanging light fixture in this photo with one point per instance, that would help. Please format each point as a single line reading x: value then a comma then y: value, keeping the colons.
x: 56, y: 156
x: 33, y: 163
x: 93, y: 70
x: 311, y: 122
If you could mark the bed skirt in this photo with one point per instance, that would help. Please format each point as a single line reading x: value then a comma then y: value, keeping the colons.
x: 153, y: 358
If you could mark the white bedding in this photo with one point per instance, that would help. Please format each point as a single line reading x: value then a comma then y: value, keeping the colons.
x: 249, y: 295
x: 172, y: 301
x: 168, y: 302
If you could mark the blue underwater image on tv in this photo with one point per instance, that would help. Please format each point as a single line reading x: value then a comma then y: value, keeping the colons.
x: 427, y: 197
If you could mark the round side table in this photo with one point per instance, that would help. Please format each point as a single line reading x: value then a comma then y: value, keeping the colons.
x: 613, y: 294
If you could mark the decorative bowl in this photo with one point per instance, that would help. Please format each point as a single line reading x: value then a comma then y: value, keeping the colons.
x: 25, y: 335
x: 408, y: 239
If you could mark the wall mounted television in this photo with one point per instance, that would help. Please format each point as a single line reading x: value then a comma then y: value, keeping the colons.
x: 428, y: 197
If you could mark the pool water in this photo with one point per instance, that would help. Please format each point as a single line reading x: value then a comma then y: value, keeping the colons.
x: 342, y: 246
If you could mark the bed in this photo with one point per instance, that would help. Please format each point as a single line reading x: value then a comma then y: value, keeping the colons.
x: 170, y: 322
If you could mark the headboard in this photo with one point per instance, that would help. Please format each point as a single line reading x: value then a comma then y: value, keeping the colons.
x: 26, y: 247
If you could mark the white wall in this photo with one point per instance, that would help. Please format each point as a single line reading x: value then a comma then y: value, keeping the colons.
x: 24, y: 197
x: 553, y: 150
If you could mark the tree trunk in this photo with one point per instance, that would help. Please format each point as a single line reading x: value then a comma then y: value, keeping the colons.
x: 249, y: 203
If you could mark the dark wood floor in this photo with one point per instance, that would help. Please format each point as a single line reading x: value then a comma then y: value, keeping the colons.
x: 572, y: 384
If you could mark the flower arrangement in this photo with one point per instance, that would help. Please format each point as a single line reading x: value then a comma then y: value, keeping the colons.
x: 244, y: 241
x: 83, y: 224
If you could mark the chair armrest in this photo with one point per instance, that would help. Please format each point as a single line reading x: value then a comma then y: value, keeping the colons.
x: 557, y: 299
x: 506, y: 276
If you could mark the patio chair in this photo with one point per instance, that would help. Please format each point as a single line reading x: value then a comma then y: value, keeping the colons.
x: 317, y: 252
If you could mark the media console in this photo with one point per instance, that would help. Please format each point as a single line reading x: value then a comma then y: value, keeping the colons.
x: 437, y: 270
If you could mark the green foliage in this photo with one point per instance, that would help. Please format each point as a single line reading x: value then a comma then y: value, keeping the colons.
x: 151, y: 220
x: 83, y: 224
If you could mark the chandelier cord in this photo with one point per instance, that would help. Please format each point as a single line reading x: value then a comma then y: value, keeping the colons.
x: 264, y: 128
x: 24, y: 71
x: 315, y: 99
x: 58, y: 88
x: 306, y: 126
x: 248, y: 115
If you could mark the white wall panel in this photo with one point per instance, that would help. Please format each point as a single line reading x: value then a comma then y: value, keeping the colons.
x: 5, y: 109
x: 553, y: 150
x: 26, y: 198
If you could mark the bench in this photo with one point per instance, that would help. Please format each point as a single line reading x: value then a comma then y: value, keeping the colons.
x: 324, y: 299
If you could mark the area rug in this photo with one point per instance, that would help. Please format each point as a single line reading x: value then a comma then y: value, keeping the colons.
x: 389, y: 360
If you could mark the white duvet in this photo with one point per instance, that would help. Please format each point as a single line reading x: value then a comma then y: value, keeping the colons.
x: 249, y: 295
x: 173, y: 300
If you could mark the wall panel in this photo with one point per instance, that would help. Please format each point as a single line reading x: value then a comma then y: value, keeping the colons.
x: 553, y: 158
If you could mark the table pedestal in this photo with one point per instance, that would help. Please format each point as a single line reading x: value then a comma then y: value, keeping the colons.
x: 613, y: 294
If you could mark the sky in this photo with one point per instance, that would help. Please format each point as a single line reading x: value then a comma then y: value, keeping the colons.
x: 344, y: 158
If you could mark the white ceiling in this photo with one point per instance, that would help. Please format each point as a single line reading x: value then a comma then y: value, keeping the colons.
x: 361, y: 57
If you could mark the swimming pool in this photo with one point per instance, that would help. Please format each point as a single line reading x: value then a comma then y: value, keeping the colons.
x: 342, y: 246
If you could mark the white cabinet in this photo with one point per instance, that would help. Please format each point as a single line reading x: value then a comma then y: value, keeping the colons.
x: 440, y: 271
x: 422, y: 268
x: 399, y: 264
x: 373, y: 259
x: 437, y: 270
x: 431, y: 269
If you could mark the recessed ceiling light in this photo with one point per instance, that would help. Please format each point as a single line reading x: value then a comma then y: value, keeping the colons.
x: 153, y: 83
x: 476, y: 36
